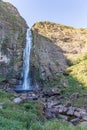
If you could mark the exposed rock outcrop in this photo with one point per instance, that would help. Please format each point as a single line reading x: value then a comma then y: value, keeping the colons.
x: 52, y: 106
x: 55, y: 47
x: 12, y: 38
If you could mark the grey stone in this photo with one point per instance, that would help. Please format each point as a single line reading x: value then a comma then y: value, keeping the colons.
x: 65, y: 109
x: 71, y: 111
x: 77, y: 114
x: 60, y: 108
x: 75, y: 121
x: 53, y: 103
x: 17, y: 100
x: 49, y: 114
x: 84, y: 116
x: 51, y: 92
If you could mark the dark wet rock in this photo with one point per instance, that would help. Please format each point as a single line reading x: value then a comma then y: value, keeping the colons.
x: 85, y: 95
x: 32, y: 96
x: 68, y: 104
x: 49, y: 114
x: 54, y: 111
x: 61, y: 97
x: 10, y: 90
x: 75, y: 121
x: 13, y: 81
x: 52, y: 98
x: 51, y: 92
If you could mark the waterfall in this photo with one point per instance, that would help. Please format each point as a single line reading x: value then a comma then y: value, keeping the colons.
x: 26, y: 60
x: 24, y: 85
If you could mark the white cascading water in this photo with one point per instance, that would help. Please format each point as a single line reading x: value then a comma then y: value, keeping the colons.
x: 26, y: 60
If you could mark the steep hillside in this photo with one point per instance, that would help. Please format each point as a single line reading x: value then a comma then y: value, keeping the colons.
x: 56, y: 48
x: 12, y: 37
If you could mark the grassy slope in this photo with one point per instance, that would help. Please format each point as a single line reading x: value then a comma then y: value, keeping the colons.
x: 79, y: 70
x: 26, y: 116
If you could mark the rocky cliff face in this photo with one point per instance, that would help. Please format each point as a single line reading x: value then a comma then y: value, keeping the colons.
x: 56, y: 47
x: 12, y: 38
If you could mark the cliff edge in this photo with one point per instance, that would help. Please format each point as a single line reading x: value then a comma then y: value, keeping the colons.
x: 59, y: 50
x: 12, y: 38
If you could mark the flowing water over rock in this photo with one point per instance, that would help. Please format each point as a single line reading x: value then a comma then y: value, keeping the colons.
x: 25, y: 86
x: 26, y: 61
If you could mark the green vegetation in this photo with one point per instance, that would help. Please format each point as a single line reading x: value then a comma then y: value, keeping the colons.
x: 4, y: 44
x: 76, y: 58
x: 21, y: 35
x: 17, y: 117
x: 78, y: 68
x: 8, y: 15
x: 37, y: 75
x: 27, y: 116
x: 73, y: 80
x: 79, y: 72
x: 2, y: 78
x: 50, y: 30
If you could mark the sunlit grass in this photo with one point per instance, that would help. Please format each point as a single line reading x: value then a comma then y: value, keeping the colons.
x: 79, y: 72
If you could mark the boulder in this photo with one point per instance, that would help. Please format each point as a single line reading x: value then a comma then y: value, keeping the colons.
x: 75, y: 121
x: 17, y: 100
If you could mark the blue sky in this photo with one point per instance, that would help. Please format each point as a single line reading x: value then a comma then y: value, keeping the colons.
x: 68, y: 12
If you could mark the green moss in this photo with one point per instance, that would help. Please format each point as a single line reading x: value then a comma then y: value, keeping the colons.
x: 4, y: 44
x: 2, y: 78
x: 37, y: 75
x: 11, y: 62
x: 21, y: 36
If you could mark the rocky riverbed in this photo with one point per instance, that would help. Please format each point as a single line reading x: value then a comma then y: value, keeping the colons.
x: 54, y: 104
